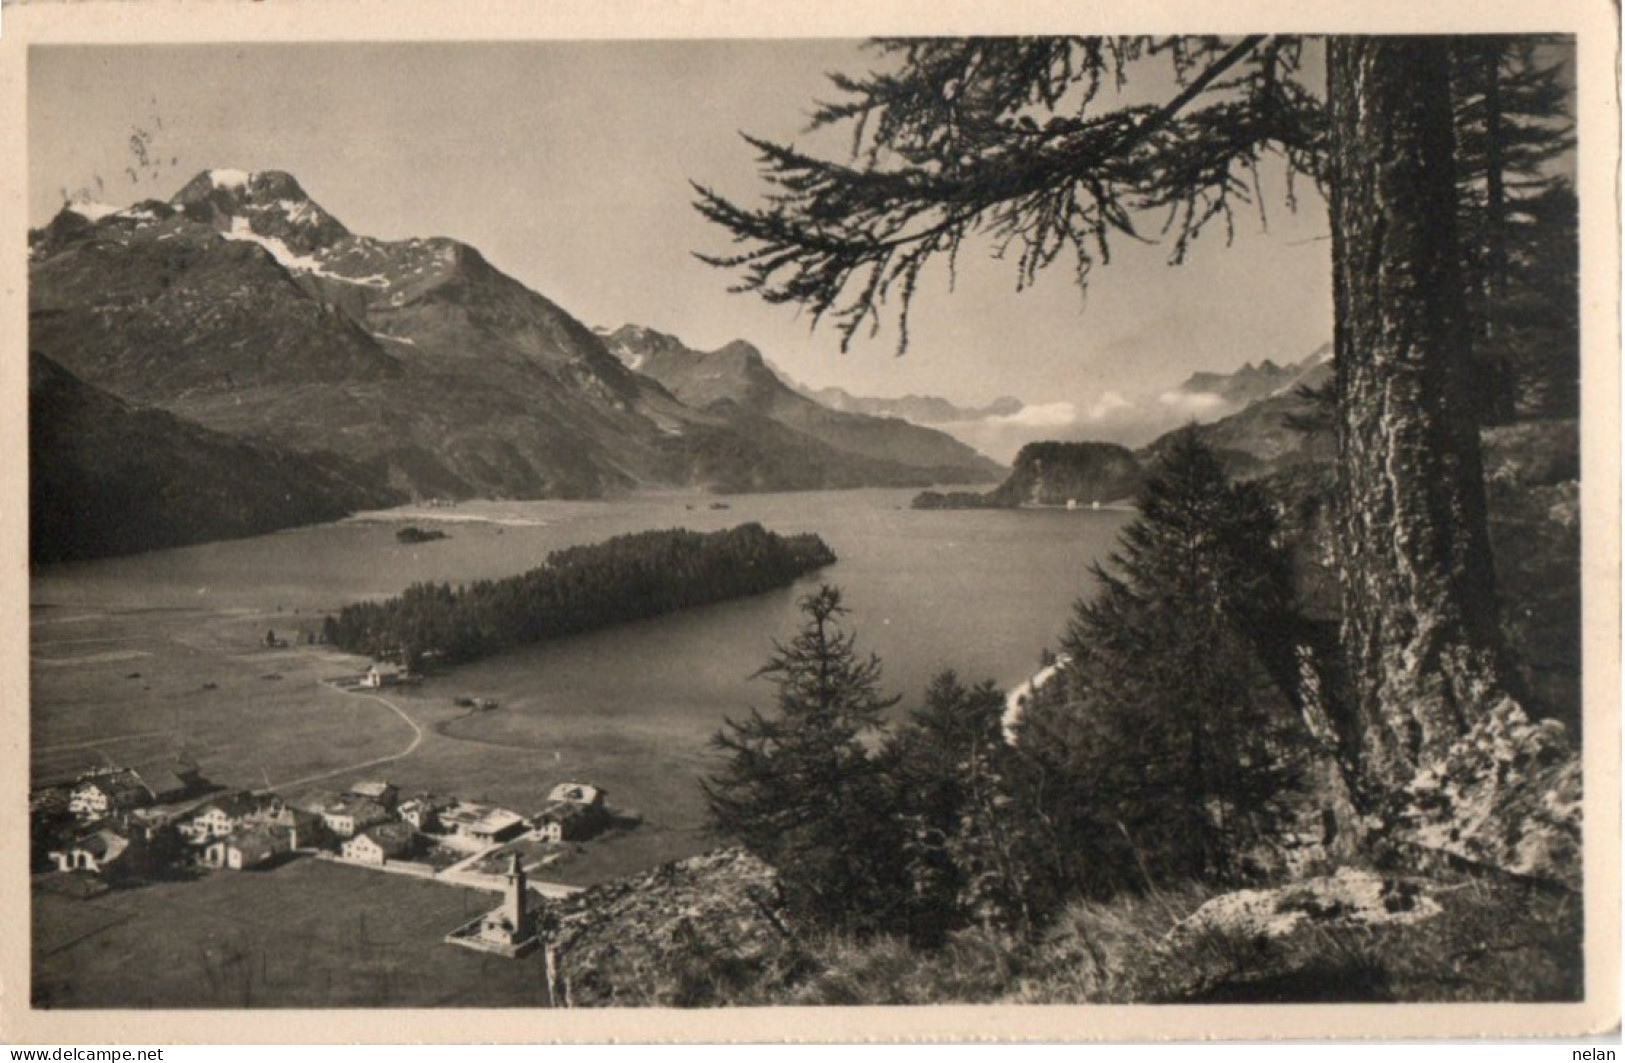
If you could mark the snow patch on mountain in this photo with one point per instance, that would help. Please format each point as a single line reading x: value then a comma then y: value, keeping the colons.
x: 288, y: 259
x: 233, y: 179
x: 241, y: 230
x: 92, y: 210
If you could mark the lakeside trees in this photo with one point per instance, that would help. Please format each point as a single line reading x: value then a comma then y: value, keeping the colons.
x: 1009, y: 139
x: 801, y: 789
x: 1178, y: 734
x: 1174, y: 755
x: 628, y: 577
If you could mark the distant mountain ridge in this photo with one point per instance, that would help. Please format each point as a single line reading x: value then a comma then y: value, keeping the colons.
x: 736, y: 381
x: 1251, y: 383
x: 917, y: 409
x: 244, y: 307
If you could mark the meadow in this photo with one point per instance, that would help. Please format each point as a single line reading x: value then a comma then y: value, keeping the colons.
x: 307, y: 934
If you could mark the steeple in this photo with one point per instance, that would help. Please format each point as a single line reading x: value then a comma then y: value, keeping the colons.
x: 513, y: 905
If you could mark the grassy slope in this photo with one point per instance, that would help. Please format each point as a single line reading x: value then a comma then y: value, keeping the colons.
x: 306, y: 934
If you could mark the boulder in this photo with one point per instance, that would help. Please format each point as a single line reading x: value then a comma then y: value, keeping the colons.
x: 1349, y: 898
x: 692, y: 933
x: 1507, y: 795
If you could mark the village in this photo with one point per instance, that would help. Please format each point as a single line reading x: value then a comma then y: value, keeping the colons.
x: 116, y: 827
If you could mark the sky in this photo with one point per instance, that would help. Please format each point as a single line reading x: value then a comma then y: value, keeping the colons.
x: 568, y: 165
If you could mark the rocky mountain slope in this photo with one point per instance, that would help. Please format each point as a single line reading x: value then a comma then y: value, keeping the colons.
x: 1054, y: 474
x: 243, y: 306
x: 1252, y: 382
x: 107, y: 478
x: 1266, y: 434
x: 736, y: 383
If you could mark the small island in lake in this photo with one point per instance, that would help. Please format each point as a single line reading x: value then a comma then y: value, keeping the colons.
x: 579, y: 589
x: 413, y: 534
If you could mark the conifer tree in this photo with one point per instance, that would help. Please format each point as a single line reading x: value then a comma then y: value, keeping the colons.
x: 1517, y: 220
x: 801, y: 789
x: 1176, y: 745
x: 1018, y: 142
x: 966, y: 852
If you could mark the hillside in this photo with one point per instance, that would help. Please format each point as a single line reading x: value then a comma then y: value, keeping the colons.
x: 1260, y: 438
x: 108, y: 478
x: 1053, y: 474
x: 736, y: 383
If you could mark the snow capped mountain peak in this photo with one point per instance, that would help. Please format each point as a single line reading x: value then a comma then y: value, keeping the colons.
x: 270, y: 203
x: 234, y: 179
x: 91, y: 209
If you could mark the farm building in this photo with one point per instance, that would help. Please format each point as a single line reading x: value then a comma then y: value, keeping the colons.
x: 482, y: 823
x: 247, y: 848
x: 384, y: 793
x: 381, y: 843
x: 102, y: 793
x: 175, y: 781
x: 105, y: 851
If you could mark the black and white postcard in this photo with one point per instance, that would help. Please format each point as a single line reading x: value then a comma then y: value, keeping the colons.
x: 1038, y: 523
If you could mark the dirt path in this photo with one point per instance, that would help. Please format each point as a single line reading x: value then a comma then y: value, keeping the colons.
x: 417, y: 740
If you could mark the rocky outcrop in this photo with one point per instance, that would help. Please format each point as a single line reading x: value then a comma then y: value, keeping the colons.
x: 1507, y: 795
x: 676, y: 936
x: 1350, y: 898
x: 1054, y: 474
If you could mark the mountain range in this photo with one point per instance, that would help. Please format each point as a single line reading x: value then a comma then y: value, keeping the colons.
x: 242, y: 308
x: 918, y: 409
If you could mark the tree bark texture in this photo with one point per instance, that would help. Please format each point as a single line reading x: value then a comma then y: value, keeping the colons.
x: 1417, y: 581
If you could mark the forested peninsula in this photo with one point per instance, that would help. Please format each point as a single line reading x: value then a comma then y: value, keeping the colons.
x: 583, y: 588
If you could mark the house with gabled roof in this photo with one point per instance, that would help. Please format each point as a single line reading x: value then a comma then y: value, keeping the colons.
x: 102, y: 793
x: 484, y: 824
x: 382, y: 791
x: 247, y: 847
x: 574, y: 811
x: 423, y: 810
x: 381, y: 843
x: 577, y: 793
x: 219, y: 816
x: 107, y: 851
x: 347, y: 815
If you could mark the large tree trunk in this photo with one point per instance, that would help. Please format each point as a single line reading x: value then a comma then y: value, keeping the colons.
x: 1418, y: 586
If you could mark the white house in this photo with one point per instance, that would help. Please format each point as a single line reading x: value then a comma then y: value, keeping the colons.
x: 219, y: 816
x: 102, y: 793
x: 104, y: 851
x: 350, y: 815
x: 577, y: 793
x: 381, y: 843
x: 482, y: 823
x: 423, y: 811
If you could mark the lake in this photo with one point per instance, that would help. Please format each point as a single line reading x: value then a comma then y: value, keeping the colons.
x: 133, y: 656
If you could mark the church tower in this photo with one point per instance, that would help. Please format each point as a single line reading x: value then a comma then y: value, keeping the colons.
x: 513, y: 906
